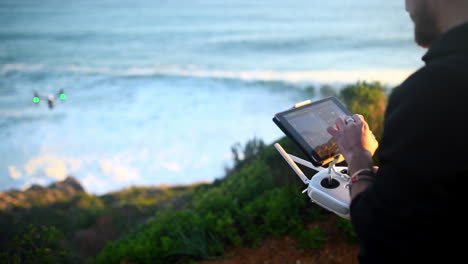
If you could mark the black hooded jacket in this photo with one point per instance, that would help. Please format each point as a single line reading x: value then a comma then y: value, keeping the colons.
x: 414, y: 211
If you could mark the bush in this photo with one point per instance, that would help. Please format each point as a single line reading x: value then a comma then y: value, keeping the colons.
x: 242, y: 209
x: 249, y: 182
x: 35, y: 245
x: 311, y: 238
x: 217, y: 210
x: 275, y: 212
x: 369, y: 100
x: 347, y: 228
x: 328, y: 90
x: 170, y: 236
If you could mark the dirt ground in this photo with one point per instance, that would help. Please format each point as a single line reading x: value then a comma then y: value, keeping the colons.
x: 336, y: 250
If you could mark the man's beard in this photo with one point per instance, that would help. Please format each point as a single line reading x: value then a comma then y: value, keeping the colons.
x: 425, y: 26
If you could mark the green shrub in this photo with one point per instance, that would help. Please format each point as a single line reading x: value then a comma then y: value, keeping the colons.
x: 177, y: 235
x: 347, y: 228
x: 311, y: 238
x: 196, y: 243
x: 369, y: 100
x: 217, y: 210
x: 275, y: 212
x: 328, y: 90
x: 89, y: 202
x: 310, y: 91
x: 241, y: 154
x: 243, y: 209
x: 35, y: 245
x: 249, y: 182
x: 214, y: 200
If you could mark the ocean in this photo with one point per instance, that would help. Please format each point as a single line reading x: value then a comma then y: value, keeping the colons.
x: 157, y: 92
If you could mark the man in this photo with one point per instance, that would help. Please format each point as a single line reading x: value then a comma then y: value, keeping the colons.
x: 410, y: 209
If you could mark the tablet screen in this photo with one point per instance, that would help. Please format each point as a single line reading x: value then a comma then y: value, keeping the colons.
x: 308, y: 126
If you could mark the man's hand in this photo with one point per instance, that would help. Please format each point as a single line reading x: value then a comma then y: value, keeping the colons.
x: 355, y: 140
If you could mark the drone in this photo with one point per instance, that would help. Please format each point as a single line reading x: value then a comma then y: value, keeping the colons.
x: 50, y: 98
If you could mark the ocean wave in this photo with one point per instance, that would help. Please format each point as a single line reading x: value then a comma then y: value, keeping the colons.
x: 389, y: 76
x: 385, y: 76
x: 20, y: 67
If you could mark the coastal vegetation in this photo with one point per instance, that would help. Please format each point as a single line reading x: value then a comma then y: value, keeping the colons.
x: 259, y: 197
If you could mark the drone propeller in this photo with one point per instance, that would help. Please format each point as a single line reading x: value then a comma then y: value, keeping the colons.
x: 62, y: 95
x: 36, y: 98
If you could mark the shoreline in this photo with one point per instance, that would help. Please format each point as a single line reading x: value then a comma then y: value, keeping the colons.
x: 389, y: 76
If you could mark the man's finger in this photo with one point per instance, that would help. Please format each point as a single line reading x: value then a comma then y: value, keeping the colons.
x: 358, y: 118
x: 332, y: 131
x: 340, y: 123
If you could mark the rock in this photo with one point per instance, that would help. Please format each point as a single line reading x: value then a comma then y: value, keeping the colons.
x: 70, y: 184
x: 39, y: 195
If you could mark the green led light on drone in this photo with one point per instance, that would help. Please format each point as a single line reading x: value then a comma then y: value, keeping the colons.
x: 63, y: 96
x: 36, y: 99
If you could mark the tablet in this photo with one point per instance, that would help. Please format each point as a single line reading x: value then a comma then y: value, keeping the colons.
x: 306, y: 125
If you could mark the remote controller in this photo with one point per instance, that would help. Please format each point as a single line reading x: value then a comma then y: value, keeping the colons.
x: 331, y: 193
x: 329, y: 187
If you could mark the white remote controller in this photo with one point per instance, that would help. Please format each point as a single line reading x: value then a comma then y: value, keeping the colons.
x: 329, y: 187
x: 332, y: 193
